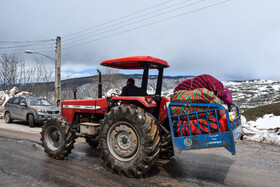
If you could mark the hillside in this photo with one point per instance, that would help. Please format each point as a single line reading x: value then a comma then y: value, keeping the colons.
x: 247, y: 94
x: 254, y: 113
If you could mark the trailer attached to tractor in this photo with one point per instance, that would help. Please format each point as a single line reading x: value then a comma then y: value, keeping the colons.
x: 132, y: 132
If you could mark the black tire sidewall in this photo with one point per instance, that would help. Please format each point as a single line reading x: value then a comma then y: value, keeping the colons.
x: 31, y: 121
x: 9, y: 119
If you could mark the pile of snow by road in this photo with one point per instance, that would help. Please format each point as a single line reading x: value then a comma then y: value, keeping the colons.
x: 5, y: 95
x: 265, y: 129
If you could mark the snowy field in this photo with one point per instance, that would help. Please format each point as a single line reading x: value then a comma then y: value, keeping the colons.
x: 264, y: 130
x: 250, y: 94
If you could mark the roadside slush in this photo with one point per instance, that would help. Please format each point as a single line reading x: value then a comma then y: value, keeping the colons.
x: 19, y: 127
x: 21, y: 130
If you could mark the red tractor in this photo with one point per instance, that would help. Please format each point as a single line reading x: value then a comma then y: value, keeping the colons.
x: 130, y: 131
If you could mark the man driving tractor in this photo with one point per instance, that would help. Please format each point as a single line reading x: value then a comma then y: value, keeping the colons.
x: 130, y: 89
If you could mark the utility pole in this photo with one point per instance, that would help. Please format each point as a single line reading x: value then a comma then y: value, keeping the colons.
x: 57, y: 84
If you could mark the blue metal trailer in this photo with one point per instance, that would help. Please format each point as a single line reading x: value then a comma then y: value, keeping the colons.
x: 225, y: 139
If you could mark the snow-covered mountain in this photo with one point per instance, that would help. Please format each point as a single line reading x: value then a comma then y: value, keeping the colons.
x: 247, y: 94
x: 252, y: 93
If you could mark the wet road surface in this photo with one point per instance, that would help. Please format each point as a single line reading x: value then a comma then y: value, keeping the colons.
x: 24, y: 163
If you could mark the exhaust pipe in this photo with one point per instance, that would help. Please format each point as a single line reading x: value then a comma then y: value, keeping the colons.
x: 75, y: 93
x: 99, y: 85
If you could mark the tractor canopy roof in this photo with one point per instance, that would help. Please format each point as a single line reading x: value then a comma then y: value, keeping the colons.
x: 135, y: 62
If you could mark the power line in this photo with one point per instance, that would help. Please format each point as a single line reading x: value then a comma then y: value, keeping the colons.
x: 40, y: 47
x: 118, y: 19
x: 44, y: 42
x: 44, y: 46
x: 155, y: 22
x: 5, y: 42
x: 29, y: 48
x: 25, y: 45
x: 144, y: 19
x: 35, y: 49
x: 22, y: 52
x: 119, y: 23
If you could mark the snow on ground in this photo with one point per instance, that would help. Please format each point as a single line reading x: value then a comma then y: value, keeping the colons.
x: 265, y: 129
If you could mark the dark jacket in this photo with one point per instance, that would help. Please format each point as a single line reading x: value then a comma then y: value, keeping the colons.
x: 131, y: 90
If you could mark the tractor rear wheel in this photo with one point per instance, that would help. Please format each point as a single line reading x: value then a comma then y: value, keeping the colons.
x: 166, y: 147
x: 129, y: 140
x: 57, y: 138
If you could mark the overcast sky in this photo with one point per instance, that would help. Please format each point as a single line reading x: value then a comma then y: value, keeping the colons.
x: 238, y: 39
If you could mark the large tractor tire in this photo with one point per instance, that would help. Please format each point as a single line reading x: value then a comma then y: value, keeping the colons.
x: 129, y: 140
x: 57, y: 138
x: 166, y: 147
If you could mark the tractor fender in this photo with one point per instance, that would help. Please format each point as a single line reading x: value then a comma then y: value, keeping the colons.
x: 163, y: 109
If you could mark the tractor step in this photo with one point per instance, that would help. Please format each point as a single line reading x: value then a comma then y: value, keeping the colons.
x: 90, y: 124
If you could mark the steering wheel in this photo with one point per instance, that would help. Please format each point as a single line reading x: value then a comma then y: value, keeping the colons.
x: 114, y: 95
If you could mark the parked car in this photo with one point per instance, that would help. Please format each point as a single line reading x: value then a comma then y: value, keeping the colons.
x: 33, y: 110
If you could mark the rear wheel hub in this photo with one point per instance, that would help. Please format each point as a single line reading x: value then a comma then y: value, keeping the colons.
x: 123, y: 141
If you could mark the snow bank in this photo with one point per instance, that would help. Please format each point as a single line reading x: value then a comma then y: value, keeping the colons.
x: 268, y: 121
x: 5, y: 95
x: 265, y: 129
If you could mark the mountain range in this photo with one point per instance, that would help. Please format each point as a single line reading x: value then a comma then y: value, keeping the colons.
x: 246, y: 94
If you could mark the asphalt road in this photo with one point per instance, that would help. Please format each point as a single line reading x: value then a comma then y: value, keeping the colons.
x: 24, y: 163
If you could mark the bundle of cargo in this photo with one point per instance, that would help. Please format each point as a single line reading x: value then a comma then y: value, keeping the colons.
x: 203, y: 81
x: 194, y: 120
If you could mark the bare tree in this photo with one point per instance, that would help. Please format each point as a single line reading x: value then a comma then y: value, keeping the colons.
x: 67, y: 91
x: 111, y: 79
x: 43, y: 76
x: 36, y: 77
x: 8, y: 70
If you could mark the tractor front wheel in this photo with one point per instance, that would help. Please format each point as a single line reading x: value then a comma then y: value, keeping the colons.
x: 129, y: 140
x: 57, y: 138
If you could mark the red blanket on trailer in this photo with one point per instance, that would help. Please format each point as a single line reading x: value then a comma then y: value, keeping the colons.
x: 203, y: 81
x: 200, y: 95
x: 189, y: 123
x: 193, y: 127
